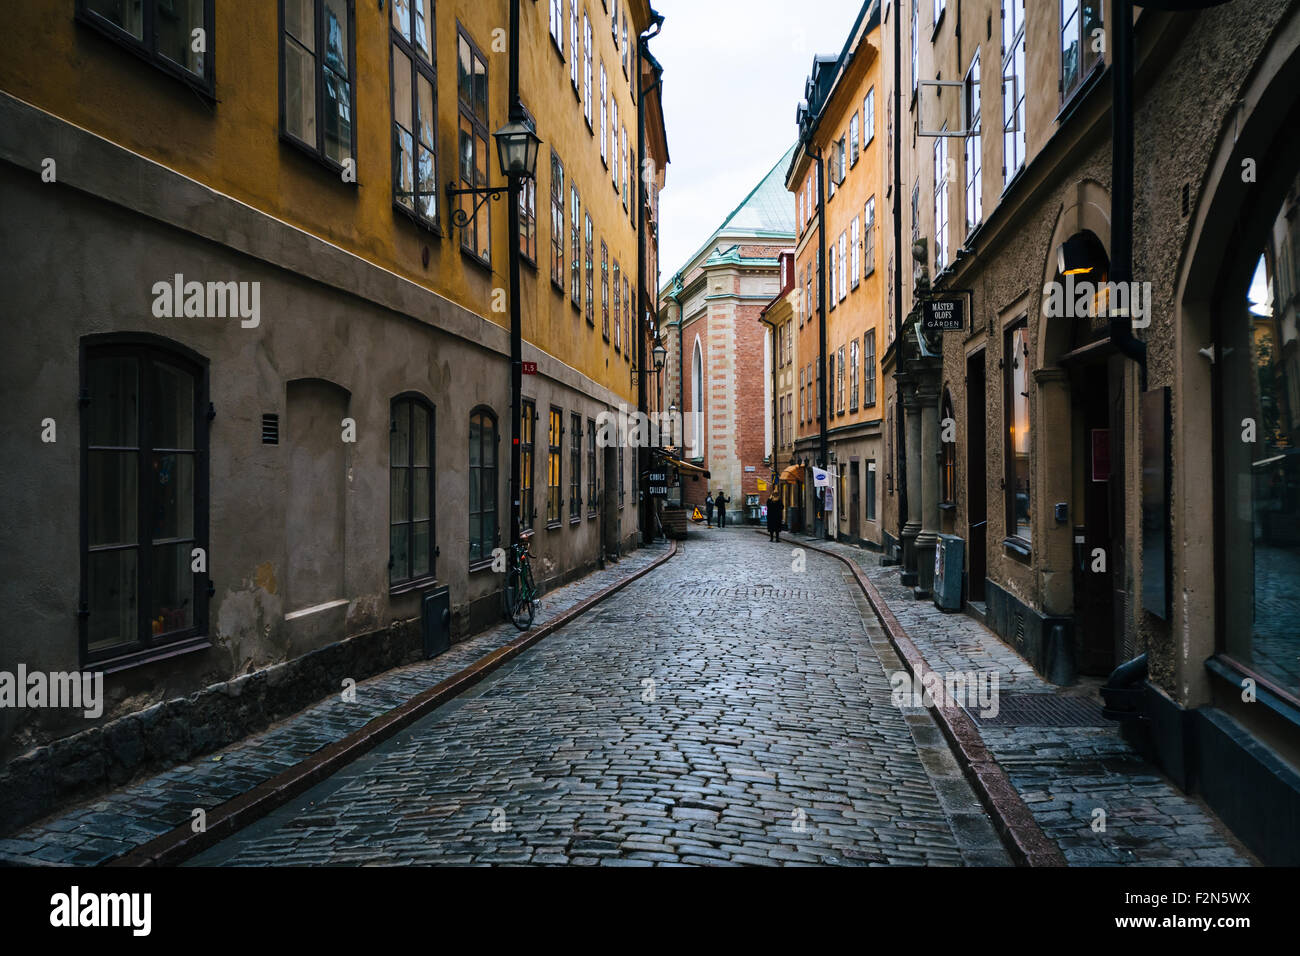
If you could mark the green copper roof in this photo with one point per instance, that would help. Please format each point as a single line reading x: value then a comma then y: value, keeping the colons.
x: 767, y: 212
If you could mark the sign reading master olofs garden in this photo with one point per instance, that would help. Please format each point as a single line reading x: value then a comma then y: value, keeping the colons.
x: 943, y: 315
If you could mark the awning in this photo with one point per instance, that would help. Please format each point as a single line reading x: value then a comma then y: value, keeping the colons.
x: 683, y: 467
x: 792, y: 474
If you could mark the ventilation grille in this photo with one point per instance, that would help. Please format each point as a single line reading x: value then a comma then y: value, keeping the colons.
x: 1041, y: 710
x: 270, y: 429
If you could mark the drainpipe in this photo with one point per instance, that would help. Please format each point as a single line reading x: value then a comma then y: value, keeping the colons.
x: 644, y: 503
x: 1121, y: 194
x: 900, y: 449
x: 516, y: 321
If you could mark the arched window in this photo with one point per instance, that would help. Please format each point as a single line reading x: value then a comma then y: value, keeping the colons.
x: 697, y: 400
x: 411, y: 489
x: 144, y: 498
x: 947, y: 451
x: 482, y: 484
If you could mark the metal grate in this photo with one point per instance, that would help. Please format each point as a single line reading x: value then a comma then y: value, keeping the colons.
x: 1043, y: 710
x: 270, y: 429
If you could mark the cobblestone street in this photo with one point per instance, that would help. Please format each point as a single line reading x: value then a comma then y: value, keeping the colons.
x: 724, y: 709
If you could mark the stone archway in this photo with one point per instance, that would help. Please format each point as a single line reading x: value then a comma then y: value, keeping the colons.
x: 1087, y: 210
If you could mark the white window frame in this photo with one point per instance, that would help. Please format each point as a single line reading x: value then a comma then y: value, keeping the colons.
x: 974, y: 146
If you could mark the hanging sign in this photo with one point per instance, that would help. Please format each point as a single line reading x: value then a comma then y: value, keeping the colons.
x: 943, y: 315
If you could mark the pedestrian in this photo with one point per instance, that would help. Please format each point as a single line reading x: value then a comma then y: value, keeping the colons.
x: 708, y: 509
x: 775, y: 511
x: 721, y: 501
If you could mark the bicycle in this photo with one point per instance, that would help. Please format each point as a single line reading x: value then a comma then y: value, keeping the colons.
x: 520, y: 592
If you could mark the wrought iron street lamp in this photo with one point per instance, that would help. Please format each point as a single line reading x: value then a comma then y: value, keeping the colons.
x: 517, y: 156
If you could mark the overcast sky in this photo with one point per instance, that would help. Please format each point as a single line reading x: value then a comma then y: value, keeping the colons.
x: 734, y: 72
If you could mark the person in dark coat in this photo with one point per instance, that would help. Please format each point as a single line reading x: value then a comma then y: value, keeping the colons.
x: 775, y: 512
x: 708, y: 509
x: 721, y: 501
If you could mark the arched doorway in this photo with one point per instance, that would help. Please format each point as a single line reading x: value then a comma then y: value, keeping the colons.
x: 1081, y: 381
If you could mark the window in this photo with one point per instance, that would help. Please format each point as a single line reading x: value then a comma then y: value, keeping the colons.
x: 575, y: 467
x: 869, y: 369
x: 830, y: 278
x: 527, y: 433
x: 1018, y: 448
x: 940, y: 203
x: 916, y: 48
x: 974, y: 160
x: 618, y: 307
x: 604, y: 290
x: 591, y: 275
x: 415, y: 137
x: 575, y: 248
x: 842, y: 284
x: 853, y: 375
x: 557, y: 222
x: 869, y: 236
x: 1013, y: 88
x: 626, y: 52
x: 591, y: 467
x: 554, y: 502
x: 411, y: 491
x: 586, y: 67
x: 939, y: 6
x: 573, y: 44
x: 947, y: 456
x: 830, y: 385
x: 482, y: 485
x: 853, y: 139
x: 604, y: 113
x: 318, y: 44
x: 557, y: 24
x: 624, y: 182
x: 802, y: 396
x: 627, y: 320
x: 869, y: 117
x: 1080, y: 31
x: 1259, y: 493
x: 144, y: 498
x: 855, y: 254
x: 528, y: 219
x: 871, y: 491
x: 621, y: 472
x: 472, y: 87
x: 164, y: 34
x: 839, y: 382
x: 613, y: 147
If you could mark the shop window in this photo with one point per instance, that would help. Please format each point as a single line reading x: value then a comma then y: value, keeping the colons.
x: 1016, y: 365
x: 411, y: 491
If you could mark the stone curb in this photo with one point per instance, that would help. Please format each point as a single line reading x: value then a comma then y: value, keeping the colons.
x: 1024, y: 839
x: 181, y: 843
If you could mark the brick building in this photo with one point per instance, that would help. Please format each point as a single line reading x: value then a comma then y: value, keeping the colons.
x: 709, y: 317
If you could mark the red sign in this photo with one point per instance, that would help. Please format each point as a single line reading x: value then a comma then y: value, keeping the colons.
x: 530, y: 368
x: 1101, y: 454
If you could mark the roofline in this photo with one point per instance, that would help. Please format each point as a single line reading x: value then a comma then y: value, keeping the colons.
x: 758, y: 233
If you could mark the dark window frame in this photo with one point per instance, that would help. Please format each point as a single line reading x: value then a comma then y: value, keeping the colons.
x: 558, y: 235
x: 555, y: 467
x: 1015, y: 542
x: 317, y: 151
x: 412, y: 580
x: 575, y: 467
x: 486, y: 480
x: 146, y: 49
x: 1084, y: 71
x: 146, y: 348
x: 428, y: 70
x: 478, y: 128
x: 592, y: 490
x: 527, y: 440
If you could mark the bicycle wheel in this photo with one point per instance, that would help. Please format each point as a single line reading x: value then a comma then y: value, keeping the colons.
x: 523, y: 606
